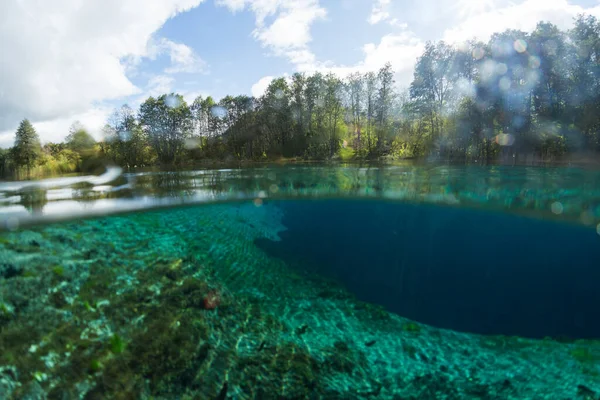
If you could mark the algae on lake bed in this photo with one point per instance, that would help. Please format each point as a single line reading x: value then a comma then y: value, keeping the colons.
x: 115, y: 308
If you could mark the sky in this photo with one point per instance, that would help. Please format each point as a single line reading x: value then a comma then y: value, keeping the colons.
x: 77, y: 60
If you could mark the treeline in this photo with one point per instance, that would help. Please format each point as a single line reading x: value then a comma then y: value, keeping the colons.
x: 29, y: 158
x: 520, y: 96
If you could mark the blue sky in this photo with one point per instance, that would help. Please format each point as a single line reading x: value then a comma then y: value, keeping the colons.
x: 71, y: 60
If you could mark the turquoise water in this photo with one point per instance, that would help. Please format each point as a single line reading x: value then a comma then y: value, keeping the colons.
x: 293, y: 282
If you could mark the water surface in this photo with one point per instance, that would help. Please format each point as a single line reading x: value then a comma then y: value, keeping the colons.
x: 302, y: 282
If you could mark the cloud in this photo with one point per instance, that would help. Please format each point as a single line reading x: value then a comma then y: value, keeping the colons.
x: 259, y: 88
x: 291, y: 28
x: 183, y: 58
x: 158, y: 85
x: 523, y: 16
x: 61, y: 58
x: 401, y: 50
x: 288, y: 35
x: 57, y: 129
x: 379, y: 12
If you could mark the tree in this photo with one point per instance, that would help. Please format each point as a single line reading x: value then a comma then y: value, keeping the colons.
x: 79, y: 140
x: 298, y: 105
x: 27, y: 148
x: 355, y: 88
x: 371, y: 89
x: 125, y: 142
x: 584, y: 91
x: 434, y: 79
x: 276, y: 117
x: 333, y: 111
x: 167, y: 120
x: 385, y: 98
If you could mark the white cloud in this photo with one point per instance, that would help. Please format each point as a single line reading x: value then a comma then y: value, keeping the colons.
x: 57, y: 129
x: 190, y: 96
x: 523, y: 16
x: 261, y: 8
x: 61, y: 57
x: 159, y: 84
x: 233, y: 5
x: 291, y: 28
x: 183, y: 58
x: 380, y: 12
x: 259, y: 88
x: 401, y: 50
x: 288, y: 35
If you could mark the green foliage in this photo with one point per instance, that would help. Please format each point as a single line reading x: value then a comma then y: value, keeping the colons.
x: 520, y: 94
x: 584, y: 355
x: 167, y: 120
x: 79, y: 140
x: 95, y: 366
x: 117, y: 345
x: 411, y: 327
x: 27, y: 148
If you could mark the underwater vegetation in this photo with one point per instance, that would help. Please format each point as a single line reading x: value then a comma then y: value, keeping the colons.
x: 182, y: 304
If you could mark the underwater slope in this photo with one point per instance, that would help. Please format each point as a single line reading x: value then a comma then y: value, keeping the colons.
x: 456, y: 268
x: 181, y: 303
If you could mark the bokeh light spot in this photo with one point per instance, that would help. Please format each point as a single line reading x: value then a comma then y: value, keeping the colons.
x: 520, y: 46
x: 478, y: 53
x: 504, y: 84
x: 587, y: 217
x: 501, y: 69
x: 12, y: 223
x: 557, y: 208
x: 534, y: 62
x: 218, y: 111
x: 173, y: 101
x: 192, y: 143
x: 505, y: 139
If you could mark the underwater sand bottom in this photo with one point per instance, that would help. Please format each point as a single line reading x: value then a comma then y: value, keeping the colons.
x: 181, y: 304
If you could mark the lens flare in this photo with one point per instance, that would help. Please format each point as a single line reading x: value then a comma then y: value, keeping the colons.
x: 520, y: 46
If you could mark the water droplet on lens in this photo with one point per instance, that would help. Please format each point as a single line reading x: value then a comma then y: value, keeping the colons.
x: 501, y: 68
x: 12, y: 223
x: 478, y: 53
x: 504, y: 84
x: 587, y: 217
x: 218, y: 111
x: 520, y: 45
x: 191, y: 143
x: 534, y: 62
x: 556, y: 208
x: 172, y: 101
x: 124, y: 136
x: 505, y: 139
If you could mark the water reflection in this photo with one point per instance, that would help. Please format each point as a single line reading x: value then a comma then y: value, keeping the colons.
x: 34, y: 200
x: 518, y: 189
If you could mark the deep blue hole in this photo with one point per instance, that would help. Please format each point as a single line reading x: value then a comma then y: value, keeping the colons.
x: 462, y: 269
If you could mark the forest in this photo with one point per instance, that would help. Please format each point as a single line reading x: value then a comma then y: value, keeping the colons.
x: 520, y: 97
